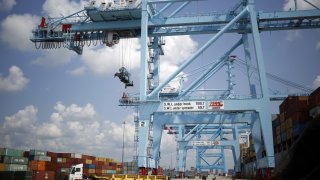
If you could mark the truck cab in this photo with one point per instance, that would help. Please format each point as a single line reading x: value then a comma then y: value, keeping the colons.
x: 76, y: 172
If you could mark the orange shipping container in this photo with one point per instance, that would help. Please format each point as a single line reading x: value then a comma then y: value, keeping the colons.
x: 2, y: 167
x: 37, y: 165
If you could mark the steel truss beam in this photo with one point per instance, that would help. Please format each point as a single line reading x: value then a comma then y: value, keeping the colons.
x: 145, y: 21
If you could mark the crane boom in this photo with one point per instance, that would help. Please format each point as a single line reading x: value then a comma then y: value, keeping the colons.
x: 107, y: 25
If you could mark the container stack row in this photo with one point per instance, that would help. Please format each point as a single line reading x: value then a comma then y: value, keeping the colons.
x: 294, y: 114
x: 13, y: 165
x: 314, y: 103
x: 39, y: 165
x: 130, y: 168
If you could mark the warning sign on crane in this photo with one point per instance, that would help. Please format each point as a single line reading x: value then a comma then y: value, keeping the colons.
x: 184, y: 106
x: 205, y: 143
x: 216, y: 105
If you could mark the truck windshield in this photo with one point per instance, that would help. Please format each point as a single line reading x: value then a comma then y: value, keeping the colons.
x: 73, y: 170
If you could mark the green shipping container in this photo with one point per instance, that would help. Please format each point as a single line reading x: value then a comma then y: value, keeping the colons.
x: 16, y: 175
x: 16, y: 167
x: 11, y: 152
x: 14, y: 160
x: 34, y: 152
x: 23, y: 175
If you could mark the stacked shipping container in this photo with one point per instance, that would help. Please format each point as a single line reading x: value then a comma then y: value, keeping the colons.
x: 39, y: 165
x: 295, y: 113
x: 13, y: 164
x: 130, y: 168
x: 314, y: 103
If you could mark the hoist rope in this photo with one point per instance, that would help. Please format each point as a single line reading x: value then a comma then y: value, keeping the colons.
x: 279, y: 79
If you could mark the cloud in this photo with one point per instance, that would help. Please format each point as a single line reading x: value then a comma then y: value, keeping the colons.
x: 78, y: 71
x: 316, y: 82
x: 74, y: 128
x: 17, y: 130
x: 168, y: 150
x: 107, y: 60
x: 22, y: 120
x: 318, y: 45
x: 301, y: 4
x: 54, y: 8
x: 177, y: 50
x: 54, y: 57
x: 70, y: 128
x: 291, y: 35
x: 16, y: 31
x: 7, y: 5
x: 15, y: 81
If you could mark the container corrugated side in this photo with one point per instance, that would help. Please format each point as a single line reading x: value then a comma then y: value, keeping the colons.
x: 14, y: 160
x: 289, y: 133
x: 41, y: 158
x: 284, y: 136
x: 89, y: 166
x: 16, y: 167
x: 11, y: 152
x: 2, y: 167
x: 314, y: 98
x: 35, y: 152
x: 298, y: 129
x: 37, y: 165
x: 44, y: 175
x: 75, y: 155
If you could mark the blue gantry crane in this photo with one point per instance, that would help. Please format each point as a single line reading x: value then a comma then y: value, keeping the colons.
x: 194, y: 115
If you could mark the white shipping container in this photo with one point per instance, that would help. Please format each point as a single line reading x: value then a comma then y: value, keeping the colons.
x: 42, y: 158
x: 75, y: 155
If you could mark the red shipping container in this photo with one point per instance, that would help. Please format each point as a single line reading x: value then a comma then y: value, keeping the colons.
x: 99, y: 172
x: 52, y: 155
x: 26, y: 154
x: 314, y: 98
x: 94, y: 162
x: 300, y: 117
x: 51, y: 166
x: 88, y: 157
x: 294, y: 104
x: 100, y: 163
x: 43, y: 175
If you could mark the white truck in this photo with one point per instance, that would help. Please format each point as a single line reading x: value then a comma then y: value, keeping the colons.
x: 76, y: 173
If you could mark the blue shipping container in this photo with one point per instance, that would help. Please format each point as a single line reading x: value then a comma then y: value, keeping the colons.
x: 298, y: 129
x: 90, y: 166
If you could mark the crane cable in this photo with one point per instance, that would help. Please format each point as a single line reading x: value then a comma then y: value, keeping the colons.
x: 279, y: 79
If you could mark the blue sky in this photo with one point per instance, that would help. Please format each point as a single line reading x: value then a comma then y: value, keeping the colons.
x: 60, y: 101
